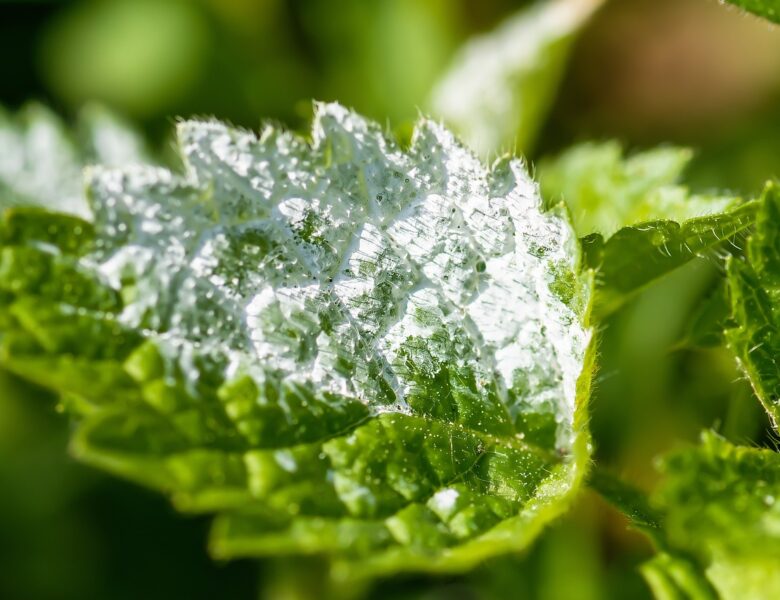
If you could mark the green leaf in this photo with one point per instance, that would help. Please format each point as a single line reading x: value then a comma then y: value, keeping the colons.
x: 721, y: 507
x: 705, y: 326
x: 637, y: 222
x: 500, y: 85
x: 607, y: 191
x: 713, y: 521
x: 339, y: 347
x: 672, y: 577
x: 754, y: 285
x: 670, y: 574
x: 636, y: 256
x: 769, y: 9
x: 45, y: 166
x: 631, y: 501
x: 719, y: 526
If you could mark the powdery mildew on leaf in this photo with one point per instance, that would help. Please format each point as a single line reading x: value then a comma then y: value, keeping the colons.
x: 43, y: 162
x: 341, y: 346
x: 44, y: 166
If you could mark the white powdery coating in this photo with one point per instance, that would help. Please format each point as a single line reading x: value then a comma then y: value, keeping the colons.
x: 341, y: 263
x: 39, y: 164
x: 444, y: 500
x: 113, y: 141
x: 481, y: 94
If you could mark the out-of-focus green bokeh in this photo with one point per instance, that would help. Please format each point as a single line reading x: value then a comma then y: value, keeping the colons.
x: 645, y: 72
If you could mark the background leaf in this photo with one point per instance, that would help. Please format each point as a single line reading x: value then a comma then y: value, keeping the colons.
x: 674, y: 578
x: 720, y: 503
x: 45, y: 166
x: 500, y: 85
x: 637, y: 221
x: 606, y: 190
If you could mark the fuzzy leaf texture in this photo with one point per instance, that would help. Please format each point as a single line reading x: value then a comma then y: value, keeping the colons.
x: 768, y: 9
x: 501, y: 84
x: 337, y: 346
x: 636, y: 220
x: 754, y: 289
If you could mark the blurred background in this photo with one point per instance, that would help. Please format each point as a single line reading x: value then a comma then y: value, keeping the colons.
x: 645, y: 72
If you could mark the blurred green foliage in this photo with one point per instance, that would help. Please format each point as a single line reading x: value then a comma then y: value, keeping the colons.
x: 645, y: 71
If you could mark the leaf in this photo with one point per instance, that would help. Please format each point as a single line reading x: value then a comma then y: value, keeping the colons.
x: 636, y: 256
x: 632, y: 502
x: 607, y: 191
x: 713, y: 522
x: 637, y: 223
x: 744, y: 562
x: 769, y: 9
x: 753, y: 287
x: 670, y: 574
x: 45, y: 166
x: 721, y: 506
x: 42, y: 166
x: 705, y: 326
x: 672, y: 577
x: 338, y: 347
x: 500, y: 85
x: 719, y: 527
x: 108, y: 140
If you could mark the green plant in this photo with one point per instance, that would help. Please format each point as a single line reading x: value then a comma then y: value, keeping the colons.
x: 380, y: 353
x: 764, y: 8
